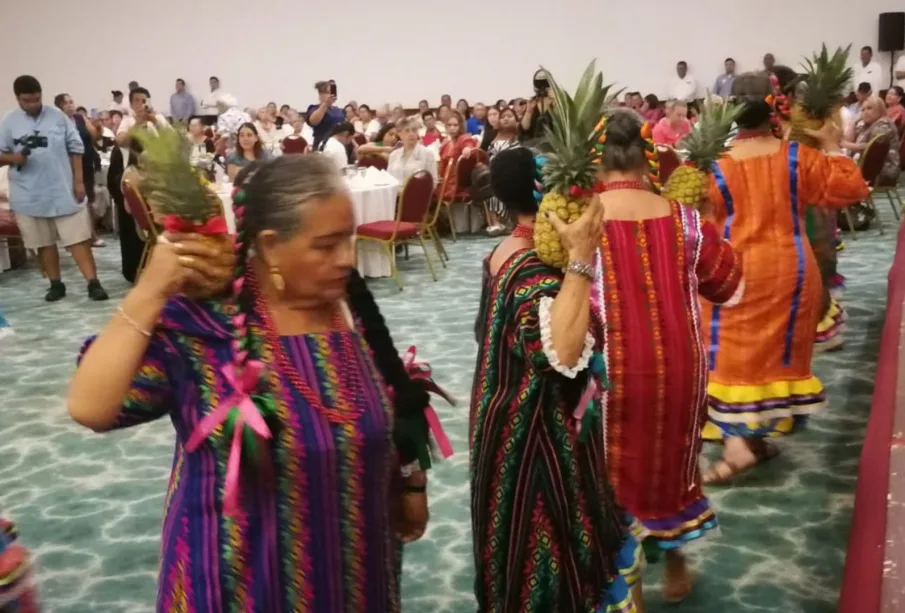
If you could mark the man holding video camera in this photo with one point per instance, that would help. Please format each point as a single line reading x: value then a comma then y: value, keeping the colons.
x: 44, y: 151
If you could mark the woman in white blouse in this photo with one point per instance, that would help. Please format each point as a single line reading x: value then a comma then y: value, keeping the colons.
x: 412, y: 156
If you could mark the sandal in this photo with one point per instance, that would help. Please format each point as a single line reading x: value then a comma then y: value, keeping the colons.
x: 724, y: 470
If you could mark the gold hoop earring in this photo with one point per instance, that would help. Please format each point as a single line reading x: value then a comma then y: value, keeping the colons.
x: 276, y: 279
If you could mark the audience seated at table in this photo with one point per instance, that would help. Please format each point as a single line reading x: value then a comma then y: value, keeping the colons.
x: 202, y: 144
x: 457, y: 144
x: 412, y: 156
x: 248, y: 150
x: 895, y: 106
x: 294, y: 142
x: 337, y: 146
x: 674, y: 126
x: 875, y: 124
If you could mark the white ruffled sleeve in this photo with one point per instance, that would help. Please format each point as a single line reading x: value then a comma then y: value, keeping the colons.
x: 544, y: 306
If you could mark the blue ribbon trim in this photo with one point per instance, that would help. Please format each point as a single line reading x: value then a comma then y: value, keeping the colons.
x: 730, y: 217
x: 799, y: 252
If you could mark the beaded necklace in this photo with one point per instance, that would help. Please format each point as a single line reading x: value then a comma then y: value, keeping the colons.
x: 614, y: 185
x: 346, y: 407
x: 522, y: 231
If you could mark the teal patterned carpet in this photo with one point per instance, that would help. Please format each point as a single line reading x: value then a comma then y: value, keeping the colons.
x: 90, y: 505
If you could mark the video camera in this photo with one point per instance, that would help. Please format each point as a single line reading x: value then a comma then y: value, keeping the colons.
x: 30, y: 143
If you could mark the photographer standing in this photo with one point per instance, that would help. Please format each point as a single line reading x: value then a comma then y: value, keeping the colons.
x: 324, y: 116
x: 537, y: 113
x: 46, y: 185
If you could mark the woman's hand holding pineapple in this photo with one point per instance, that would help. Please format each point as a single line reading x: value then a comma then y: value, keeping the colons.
x: 581, y: 239
x: 829, y: 135
x: 188, y: 263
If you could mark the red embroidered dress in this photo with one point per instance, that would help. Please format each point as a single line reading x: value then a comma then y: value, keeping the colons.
x: 650, y: 273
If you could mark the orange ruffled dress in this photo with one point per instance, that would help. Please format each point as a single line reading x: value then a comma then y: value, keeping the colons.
x: 759, y: 351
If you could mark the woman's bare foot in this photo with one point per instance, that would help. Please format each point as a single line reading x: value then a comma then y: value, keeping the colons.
x: 677, y: 579
x: 739, y: 455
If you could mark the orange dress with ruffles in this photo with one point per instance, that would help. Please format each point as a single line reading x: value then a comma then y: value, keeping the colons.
x: 759, y: 351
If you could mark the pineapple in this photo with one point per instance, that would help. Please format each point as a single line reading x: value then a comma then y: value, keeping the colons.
x: 572, y: 159
x: 170, y: 184
x: 818, y: 100
x: 702, y: 148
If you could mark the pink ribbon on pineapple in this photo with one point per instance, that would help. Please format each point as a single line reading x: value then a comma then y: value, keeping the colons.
x: 249, y: 416
x: 421, y: 371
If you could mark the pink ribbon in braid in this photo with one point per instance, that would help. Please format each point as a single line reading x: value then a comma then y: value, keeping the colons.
x: 421, y: 371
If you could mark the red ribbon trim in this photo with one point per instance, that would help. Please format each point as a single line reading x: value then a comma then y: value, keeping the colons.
x: 211, y: 227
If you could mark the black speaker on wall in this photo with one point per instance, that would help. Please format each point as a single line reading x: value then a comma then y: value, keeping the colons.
x: 892, y: 32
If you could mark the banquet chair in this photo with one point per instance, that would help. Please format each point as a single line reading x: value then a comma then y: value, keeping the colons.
x: 458, y: 174
x: 414, y: 204
x: 374, y: 161
x: 871, y: 163
x: 360, y: 139
x: 144, y: 223
x: 669, y: 161
x: 294, y: 145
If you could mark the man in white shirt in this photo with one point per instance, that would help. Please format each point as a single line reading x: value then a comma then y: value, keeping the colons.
x: 336, y: 147
x: 900, y: 71
x: 118, y: 104
x: 142, y: 114
x: 683, y: 88
x: 207, y: 108
x: 869, y: 71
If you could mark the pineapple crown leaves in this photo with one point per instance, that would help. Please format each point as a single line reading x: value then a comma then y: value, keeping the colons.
x: 575, y: 127
x: 707, y: 140
x: 826, y: 78
x: 169, y: 182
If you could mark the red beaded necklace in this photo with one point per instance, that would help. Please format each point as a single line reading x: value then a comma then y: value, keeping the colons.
x: 345, y: 407
x: 522, y: 231
x: 749, y: 134
x: 614, y: 185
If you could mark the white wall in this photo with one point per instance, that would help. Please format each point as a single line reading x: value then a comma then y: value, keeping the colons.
x: 403, y: 50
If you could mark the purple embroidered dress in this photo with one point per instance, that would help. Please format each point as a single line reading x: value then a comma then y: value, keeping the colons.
x: 314, y: 533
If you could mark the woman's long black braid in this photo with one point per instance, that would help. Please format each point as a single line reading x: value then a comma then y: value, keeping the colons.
x: 241, y: 308
x: 410, y: 432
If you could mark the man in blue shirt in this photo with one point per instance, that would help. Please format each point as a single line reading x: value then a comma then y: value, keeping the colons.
x: 475, y: 123
x: 724, y: 82
x: 182, y: 103
x: 324, y: 116
x: 44, y: 151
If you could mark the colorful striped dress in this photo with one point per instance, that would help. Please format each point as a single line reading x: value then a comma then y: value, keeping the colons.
x: 314, y: 532
x: 547, y: 534
x: 650, y: 274
x: 759, y: 352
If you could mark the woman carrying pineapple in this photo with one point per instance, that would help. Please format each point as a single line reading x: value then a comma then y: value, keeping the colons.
x: 810, y: 99
x: 760, y: 351
x: 548, y: 535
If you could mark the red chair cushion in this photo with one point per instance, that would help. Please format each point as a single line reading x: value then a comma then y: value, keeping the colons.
x: 8, y: 225
x: 383, y: 230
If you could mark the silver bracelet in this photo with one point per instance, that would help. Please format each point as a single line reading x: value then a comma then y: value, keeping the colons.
x: 581, y: 268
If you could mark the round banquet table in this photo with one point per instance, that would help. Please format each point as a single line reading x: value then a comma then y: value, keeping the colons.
x: 372, y: 203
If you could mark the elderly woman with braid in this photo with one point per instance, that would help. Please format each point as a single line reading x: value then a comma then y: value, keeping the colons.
x: 295, y: 477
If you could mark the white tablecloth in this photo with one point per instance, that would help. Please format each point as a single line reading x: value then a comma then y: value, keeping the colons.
x: 374, y: 203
